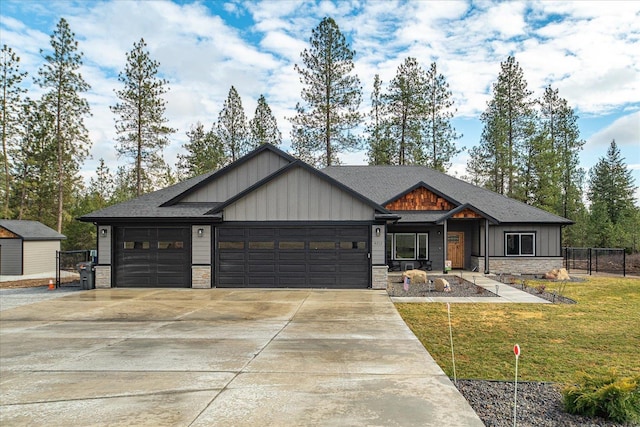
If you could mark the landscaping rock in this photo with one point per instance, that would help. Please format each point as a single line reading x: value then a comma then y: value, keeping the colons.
x: 441, y: 285
x: 557, y: 274
x: 415, y: 276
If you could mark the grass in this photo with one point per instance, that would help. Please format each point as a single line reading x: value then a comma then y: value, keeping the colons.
x: 557, y: 341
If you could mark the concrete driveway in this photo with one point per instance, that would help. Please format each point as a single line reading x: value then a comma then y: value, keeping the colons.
x: 188, y: 357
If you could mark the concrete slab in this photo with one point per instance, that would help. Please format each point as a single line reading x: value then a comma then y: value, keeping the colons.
x: 220, y: 357
x: 337, y: 400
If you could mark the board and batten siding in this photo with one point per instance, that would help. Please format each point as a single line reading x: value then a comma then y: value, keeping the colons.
x: 298, y: 195
x: 238, y: 179
x: 104, y: 245
x: 201, y: 245
x: 40, y: 256
x: 548, y: 238
x: 11, y: 257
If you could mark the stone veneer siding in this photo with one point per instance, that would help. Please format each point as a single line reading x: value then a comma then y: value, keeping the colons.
x: 379, y: 276
x: 521, y: 265
x: 103, y: 276
x: 201, y: 276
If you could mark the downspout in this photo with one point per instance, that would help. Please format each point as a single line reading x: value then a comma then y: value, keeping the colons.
x: 486, y: 246
x: 444, y: 248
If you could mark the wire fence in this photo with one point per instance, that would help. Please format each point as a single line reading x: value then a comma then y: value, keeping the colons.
x: 66, y: 262
x: 595, y: 260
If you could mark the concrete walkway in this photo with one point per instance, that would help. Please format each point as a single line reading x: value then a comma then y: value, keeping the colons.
x: 506, y: 293
x: 202, y: 357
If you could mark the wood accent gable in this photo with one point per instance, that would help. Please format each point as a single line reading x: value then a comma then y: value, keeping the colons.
x: 6, y: 234
x: 420, y: 199
x: 466, y: 214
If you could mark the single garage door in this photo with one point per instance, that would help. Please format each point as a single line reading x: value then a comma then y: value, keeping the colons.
x: 153, y: 257
x: 310, y: 257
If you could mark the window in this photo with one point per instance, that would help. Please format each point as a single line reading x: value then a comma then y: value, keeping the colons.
x: 170, y: 245
x: 291, y: 245
x: 136, y: 245
x: 322, y: 245
x: 423, y: 246
x: 261, y: 245
x: 230, y: 245
x: 405, y: 245
x: 520, y: 244
x: 353, y: 245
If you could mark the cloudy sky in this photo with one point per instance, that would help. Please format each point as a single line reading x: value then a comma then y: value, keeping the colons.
x: 589, y: 50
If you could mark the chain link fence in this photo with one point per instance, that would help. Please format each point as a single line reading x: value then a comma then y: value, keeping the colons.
x: 595, y: 260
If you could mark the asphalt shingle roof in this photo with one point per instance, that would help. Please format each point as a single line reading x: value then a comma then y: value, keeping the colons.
x: 149, y: 205
x: 385, y: 183
x: 31, y: 230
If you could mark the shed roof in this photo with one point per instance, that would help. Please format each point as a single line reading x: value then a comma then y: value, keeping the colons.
x: 31, y: 230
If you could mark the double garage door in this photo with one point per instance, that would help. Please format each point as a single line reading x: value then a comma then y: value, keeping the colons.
x: 257, y: 257
x: 153, y: 257
x: 293, y: 257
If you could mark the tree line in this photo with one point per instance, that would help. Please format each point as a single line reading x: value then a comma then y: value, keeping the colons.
x: 529, y: 148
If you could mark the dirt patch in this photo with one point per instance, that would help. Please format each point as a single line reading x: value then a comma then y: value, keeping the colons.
x: 34, y: 283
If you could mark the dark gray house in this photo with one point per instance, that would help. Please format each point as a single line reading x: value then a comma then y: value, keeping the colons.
x: 27, y: 247
x: 270, y: 220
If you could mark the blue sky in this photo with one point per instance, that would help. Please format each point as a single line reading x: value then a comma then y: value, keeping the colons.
x: 589, y: 50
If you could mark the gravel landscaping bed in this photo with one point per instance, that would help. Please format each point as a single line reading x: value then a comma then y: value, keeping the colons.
x: 539, y: 405
x: 555, y: 297
x: 459, y: 288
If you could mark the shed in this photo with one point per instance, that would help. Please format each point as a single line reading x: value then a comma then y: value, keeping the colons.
x: 27, y: 247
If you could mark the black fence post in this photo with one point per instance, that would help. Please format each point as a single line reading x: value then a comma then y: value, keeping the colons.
x: 624, y: 263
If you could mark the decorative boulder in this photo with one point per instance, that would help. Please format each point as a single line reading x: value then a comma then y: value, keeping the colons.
x: 563, y: 274
x: 441, y: 285
x: 415, y: 276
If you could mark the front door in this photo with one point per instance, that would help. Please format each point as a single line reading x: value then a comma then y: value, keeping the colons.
x: 455, y: 248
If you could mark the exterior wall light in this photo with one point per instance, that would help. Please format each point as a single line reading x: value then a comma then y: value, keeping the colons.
x: 200, y: 232
x: 377, y: 231
x: 103, y: 232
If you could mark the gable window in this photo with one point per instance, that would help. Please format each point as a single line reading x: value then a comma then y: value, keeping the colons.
x: 520, y: 244
x: 407, y: 246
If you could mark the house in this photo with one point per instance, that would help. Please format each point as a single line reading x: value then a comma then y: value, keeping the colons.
x: 27, y: 247
x: 270, y: 220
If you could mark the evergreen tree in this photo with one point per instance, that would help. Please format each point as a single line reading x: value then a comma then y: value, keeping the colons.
x: 63, y: 83
x: 439, y: 135
x: 140, y: 122
x: 10, y: 104
x: 322, y: 127
x: 204, y: 153
x: 507, y: 129
x: 611, y: 186
x: 264, y: 127
x: 102, y: 186
x: 405, y: 106
x: 232, y: 126
x: 381, y: 147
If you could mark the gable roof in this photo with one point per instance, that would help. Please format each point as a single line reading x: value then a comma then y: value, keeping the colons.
x: 384, y: 183
x: 308, y: 168
x: 31, y: 230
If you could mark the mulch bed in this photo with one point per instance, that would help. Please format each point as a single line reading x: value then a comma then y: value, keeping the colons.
x: 459, y: 288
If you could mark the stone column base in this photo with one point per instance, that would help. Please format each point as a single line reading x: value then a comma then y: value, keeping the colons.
x: 103, y: 276
x: 379, y: 276
x: 201, y: 276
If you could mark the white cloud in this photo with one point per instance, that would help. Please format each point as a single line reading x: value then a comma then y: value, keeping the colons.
x: 625, y: 130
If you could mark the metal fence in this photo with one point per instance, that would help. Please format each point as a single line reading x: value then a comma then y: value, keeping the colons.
x: 66, y: 262
x: 595, y: 260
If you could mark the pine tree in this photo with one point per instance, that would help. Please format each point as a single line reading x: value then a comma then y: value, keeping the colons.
x: 204, y: 153
x: 439, y: 135
x: 264, y: 127
x: 322, y: 127
x: 611, y: 186
x: 405, y: 105
x: 232, y: 126
x: 12, y: 93
x: 381, y: 147
x: 103, y: 185
x: 60, y: 76
x: 140, y: 122
x: 507, y: 129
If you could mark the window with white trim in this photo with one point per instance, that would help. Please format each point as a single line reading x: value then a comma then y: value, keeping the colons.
x: 520, y: 244
x: 407, y: 246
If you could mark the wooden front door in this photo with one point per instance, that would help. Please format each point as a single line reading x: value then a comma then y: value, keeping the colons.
x: 455, y: 248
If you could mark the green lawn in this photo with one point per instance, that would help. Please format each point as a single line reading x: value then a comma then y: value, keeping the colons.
x: 556, y: 340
